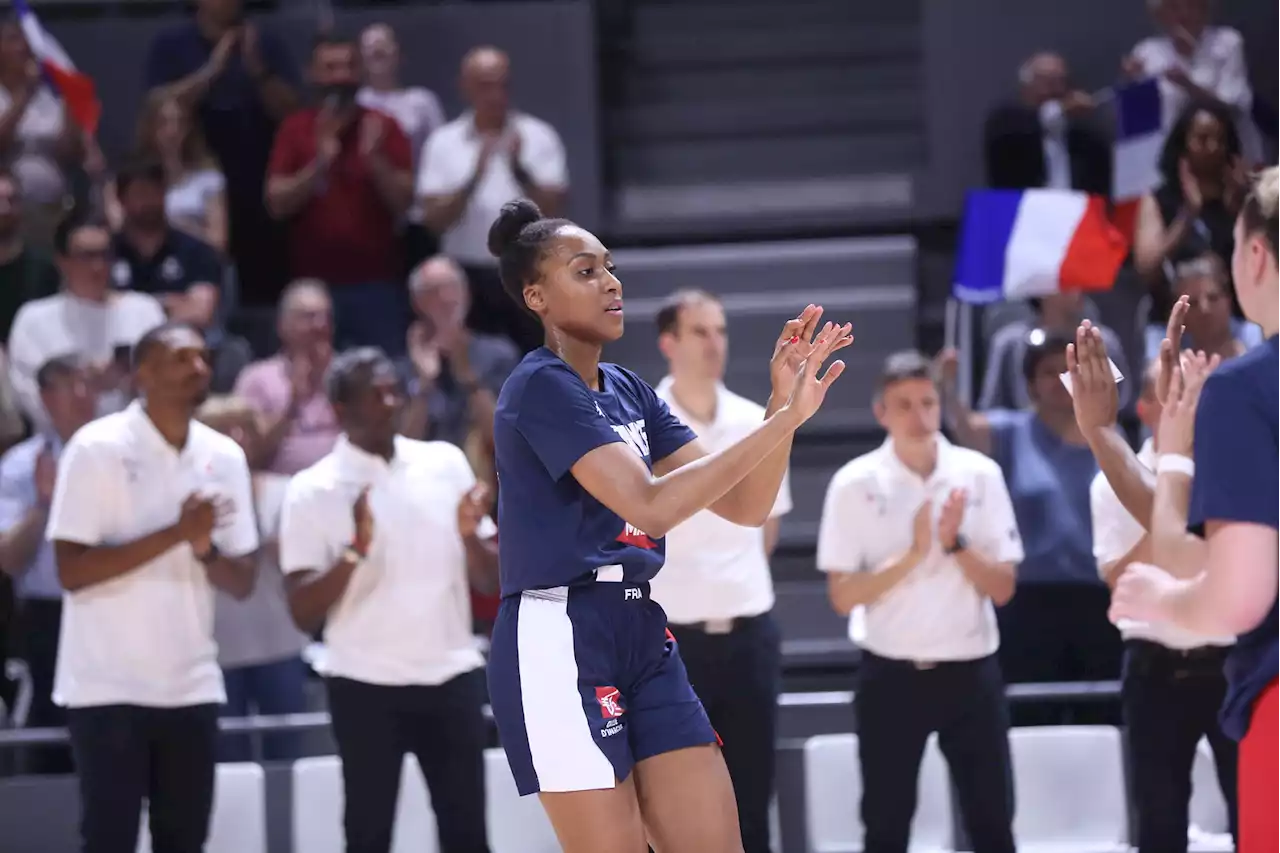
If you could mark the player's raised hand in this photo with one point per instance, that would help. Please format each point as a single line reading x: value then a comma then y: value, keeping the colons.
x: 811, y: 384
x: 1171, y: 348
x: 792, y: 348
x: 1093, y: 385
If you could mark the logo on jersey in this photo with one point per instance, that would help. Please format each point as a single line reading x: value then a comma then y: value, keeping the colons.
x: 610, y: 702
x: 635, y: 437
x: 632, y: 535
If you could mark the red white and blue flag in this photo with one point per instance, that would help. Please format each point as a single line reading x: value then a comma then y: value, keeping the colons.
x: 1140, y: 137
x: 76, y: 88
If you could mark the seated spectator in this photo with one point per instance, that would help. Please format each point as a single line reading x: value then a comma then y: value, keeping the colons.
x: 239, y: 81
x: 1056, y: 626
x: 184, y: 273
x: 37, y: 142
x: 1003, y: 385
x: 417, y: 110
x: 259, y: 648
x: 26, y: 271
x: 1194, y: 209
x: 1047, y: 138
x: 195, y: 199
x: 88, y: 319
x: 452, y: 375
x: 341, y: 179
x: 474, y: 165
x: 287, y: 390
x: 27, y: 474
x: 1196, y: 62
x: 1209, y: 325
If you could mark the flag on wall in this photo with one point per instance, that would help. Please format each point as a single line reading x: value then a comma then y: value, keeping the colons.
x: 1140, y: 135
x: 1017, y: 244
x: 75, y: 87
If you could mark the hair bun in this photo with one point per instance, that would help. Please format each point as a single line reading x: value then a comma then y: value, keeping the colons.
x: 512, y: 219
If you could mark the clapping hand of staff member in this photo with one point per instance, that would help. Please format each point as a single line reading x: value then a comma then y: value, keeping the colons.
x: 472, y: 509
x: 922, y: 532
x: 1178, y: 417
x: 1093, y: 386
x: 951, y: 518
x: 363, y: 516
x: 200, y: 515
x: 1141, y: 594
x: 46, y: 475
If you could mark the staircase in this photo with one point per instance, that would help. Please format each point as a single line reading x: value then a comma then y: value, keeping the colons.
x: 762, y: 116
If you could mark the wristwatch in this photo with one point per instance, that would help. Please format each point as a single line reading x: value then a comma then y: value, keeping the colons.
x: 959, y: 545
x: 209, y: 556
x: 352, y: 554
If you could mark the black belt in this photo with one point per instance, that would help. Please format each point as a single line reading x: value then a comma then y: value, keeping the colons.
x: 1150, y: 649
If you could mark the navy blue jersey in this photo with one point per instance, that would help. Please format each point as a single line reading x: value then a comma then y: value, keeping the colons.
x: 552, y: 532
x: 1237, y: 479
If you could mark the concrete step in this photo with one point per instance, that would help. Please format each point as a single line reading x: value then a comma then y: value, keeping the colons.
x: 756, y: 46
x: 660, y: 19
x: 805, y: 78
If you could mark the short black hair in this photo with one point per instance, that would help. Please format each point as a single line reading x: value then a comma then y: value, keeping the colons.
x: 154, y: 340
x: 139, y: 170
x: 57, y: 368
x: 669, y: 314
x: 1041, y: 344
x: 76, y: 220
x: 350, y: 371
x: 903, y: 365
x: 518, y: 238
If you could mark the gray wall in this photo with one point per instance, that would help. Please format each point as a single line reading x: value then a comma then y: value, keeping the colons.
x: 552, y: 47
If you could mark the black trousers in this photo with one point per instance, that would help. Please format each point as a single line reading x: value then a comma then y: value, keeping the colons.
x: 1060, y: 632
x: 39, y: 621
x: 375, y: 726
x: 738, y: 675
x: 899, y: 705
x: 1171, y: 700
x: 493, y: 312
x: 125, y: 754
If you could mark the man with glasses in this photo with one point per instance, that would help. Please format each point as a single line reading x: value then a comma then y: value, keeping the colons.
x: 87, y: 319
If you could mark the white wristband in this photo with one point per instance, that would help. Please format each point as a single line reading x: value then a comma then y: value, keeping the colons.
x: 1175, y: 463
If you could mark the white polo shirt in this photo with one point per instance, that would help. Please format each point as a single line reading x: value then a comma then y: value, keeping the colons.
x: 935, y: 613
x: 144, y: 637
x: 405, y: 617
x: 449, y: 160
x: 1115, y: 532
x: 716, y: 569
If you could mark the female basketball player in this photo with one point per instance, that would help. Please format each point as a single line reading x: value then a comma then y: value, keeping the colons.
x: 587, y: 688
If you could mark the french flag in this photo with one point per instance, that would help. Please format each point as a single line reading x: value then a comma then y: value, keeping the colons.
x: 1140, y: 135
x: 1018, y: 244
x: 76, y: 88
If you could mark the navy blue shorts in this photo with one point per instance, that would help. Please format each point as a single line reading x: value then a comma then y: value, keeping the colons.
x: 584, y: 682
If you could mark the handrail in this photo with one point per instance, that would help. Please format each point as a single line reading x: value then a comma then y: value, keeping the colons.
x: 1017, y: 693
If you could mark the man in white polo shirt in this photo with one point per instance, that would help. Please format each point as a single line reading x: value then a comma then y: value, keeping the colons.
x: 471, y: 167
x: 716, y: 587
x: 1173, y: 684
x: 918, y: 539
x: 150, y: 512
x: 380, y: 541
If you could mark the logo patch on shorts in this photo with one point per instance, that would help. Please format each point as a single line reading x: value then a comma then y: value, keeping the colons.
x: 610, y: 702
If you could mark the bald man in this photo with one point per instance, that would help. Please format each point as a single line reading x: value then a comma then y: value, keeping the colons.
x: 474, y: 165
x: 1046, y: 138
x: 452, y: 375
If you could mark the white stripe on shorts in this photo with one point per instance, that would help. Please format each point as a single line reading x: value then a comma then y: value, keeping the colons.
x: 565, y: 755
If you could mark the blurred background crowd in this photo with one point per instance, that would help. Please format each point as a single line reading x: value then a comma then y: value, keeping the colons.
x: 295, y: 179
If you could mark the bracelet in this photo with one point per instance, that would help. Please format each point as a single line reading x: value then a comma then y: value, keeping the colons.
x: 1175, y: 463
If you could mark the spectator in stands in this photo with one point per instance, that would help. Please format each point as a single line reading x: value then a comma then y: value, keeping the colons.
x: 475, y: 164
x: 1003, y: 384
x: 239, y: 80
x: 716, y: 589
x: 287, y: 390
x: 1194, y: 208
x: 38, y: 143
x: 88, y: 319
x: 452, y: 375
x: 183, y: 272
x: 27, y: 474
x: 416, y: 109
x: 12, y: 425
x: 1056, y: 629
x: 26, y: 271
x: 1209, y: 324
x: 151, y: 512
x: 404, y: 672
x: 195, y: 196
x: 259, y: 647
x: 1196, y: 62
x: 918, y: 539
x: 341, y: 178
x: 1047, y: 138
x: 1173, y: 679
